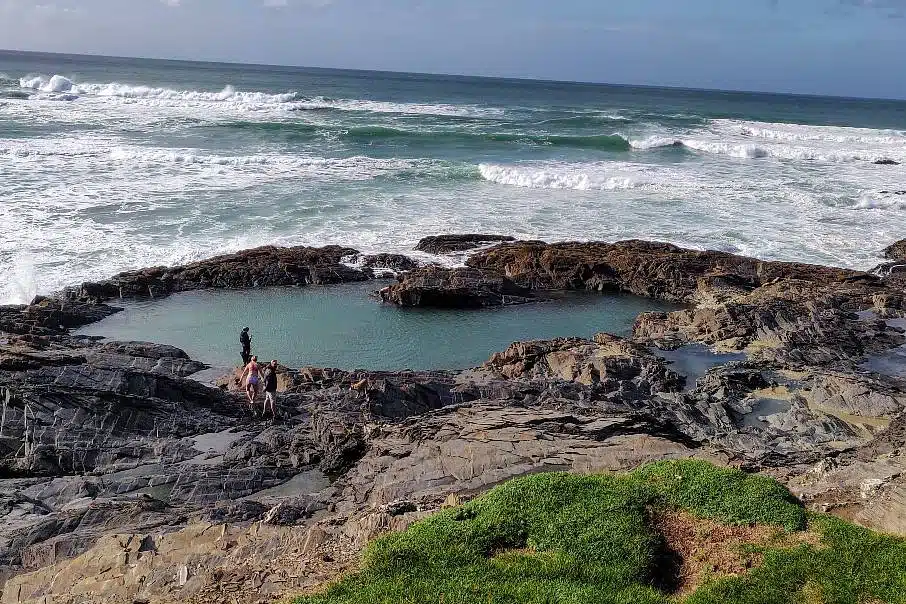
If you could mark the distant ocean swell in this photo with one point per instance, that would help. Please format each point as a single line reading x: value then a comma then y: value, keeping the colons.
x: 133, y: 163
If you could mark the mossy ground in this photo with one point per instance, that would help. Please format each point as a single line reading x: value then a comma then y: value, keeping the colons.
x: 561, y: 538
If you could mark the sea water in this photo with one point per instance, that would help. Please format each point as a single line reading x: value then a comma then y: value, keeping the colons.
x: 341, y: 326
x: 109, y: 164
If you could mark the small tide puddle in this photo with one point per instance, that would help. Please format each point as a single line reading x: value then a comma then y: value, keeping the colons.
x: 763, y: 410
x: 341, y: 326
x: 891, y: 362
x: 695, y: 360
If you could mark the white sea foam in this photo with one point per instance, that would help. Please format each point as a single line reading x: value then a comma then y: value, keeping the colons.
x: 797, y: 142
x: 441, y: 109
x: 796, y: 133
x: 654, y: 142
x: 103, y: 153
x: 881, y: 200
x: 557, y: 175
x: 794, y: 152
x: 56, y: 83
x: 122, y: 178
x: 249, y: 100
x: 227, y: 94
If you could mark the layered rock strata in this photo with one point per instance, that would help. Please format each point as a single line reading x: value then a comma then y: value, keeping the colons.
x: 124, y: 480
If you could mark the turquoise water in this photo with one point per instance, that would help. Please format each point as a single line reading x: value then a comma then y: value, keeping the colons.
x: 340, y: 326
x: 110, y: 164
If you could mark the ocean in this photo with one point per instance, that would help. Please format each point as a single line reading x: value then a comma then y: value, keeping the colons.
x: 109, y: 164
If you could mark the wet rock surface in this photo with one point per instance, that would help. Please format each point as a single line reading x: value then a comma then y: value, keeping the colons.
x: 122, y: 479
x: 446, y: 244
x: 897, y: 250
x: 267, y: 266
x: 455, y: 288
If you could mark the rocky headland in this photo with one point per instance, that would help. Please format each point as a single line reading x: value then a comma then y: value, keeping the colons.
x: 124, y: 479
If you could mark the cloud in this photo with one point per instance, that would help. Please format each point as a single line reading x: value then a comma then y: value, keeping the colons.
x: 173, y: 3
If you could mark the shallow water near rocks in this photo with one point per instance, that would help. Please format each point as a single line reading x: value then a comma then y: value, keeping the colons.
x: 891, y: 362
x: 762, y: 410
x: 341, y: 326
x: 696, y: 360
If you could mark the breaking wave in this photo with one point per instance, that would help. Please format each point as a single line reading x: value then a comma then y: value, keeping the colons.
x: 229, y: 94
x: 579, y: 177
x: 100, y: 155
x: 368, y: 106
x: 790, y: 152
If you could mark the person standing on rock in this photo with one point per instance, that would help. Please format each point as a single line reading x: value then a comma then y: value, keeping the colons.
x: 246, y: 340
x: 270, y: 389
x: 254, y: 377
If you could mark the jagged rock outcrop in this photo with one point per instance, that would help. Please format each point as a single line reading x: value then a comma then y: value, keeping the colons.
x: 658, y: 270
x: 896, y: 251
x: 267, y: 266
x: 455, y: 288
x: 47, y: 316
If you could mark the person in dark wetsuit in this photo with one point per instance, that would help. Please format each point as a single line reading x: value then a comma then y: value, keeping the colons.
x: 246, y: 340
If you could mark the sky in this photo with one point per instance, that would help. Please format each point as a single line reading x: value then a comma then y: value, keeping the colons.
x: 835, y: 47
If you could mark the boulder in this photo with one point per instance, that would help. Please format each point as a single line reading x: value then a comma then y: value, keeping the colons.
x: 455, y: 288
x: 381, y: 264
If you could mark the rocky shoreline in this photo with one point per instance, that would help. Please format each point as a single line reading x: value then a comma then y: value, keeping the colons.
x: 124, y: 480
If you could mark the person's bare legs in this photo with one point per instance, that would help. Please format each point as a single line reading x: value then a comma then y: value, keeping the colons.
x: 250, y: 392
x: 269, y: 398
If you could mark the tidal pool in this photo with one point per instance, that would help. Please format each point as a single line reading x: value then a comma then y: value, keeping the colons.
x: 341, y: 326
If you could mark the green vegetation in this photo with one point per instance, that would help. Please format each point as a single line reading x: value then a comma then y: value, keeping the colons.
x: 560, y: 538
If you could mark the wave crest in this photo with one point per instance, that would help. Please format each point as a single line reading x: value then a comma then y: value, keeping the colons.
x: 581, y: 177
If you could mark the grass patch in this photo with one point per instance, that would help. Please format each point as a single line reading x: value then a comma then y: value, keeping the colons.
x: 562, y: 538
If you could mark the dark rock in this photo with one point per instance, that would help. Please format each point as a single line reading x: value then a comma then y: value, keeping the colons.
x: 260, y: 267
x: 147, y: 350
x: 658, y: 270
x: 886, y: 162
x: 398, y: 508
x: 896, y: 251
x: 51, y: 316
x: 235, y: 511
x: 447, y: 244
x: 384, y: 263
x: 455, y: 288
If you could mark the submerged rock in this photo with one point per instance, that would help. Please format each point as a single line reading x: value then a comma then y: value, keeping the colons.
x: 447, y: 244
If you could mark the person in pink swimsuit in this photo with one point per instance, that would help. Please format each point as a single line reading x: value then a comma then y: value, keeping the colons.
x: 254, y: 379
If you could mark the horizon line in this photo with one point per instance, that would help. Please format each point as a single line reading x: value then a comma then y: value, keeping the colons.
x: 461, y: 75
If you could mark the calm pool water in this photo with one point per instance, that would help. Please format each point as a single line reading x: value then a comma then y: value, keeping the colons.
x: 341, y: 326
